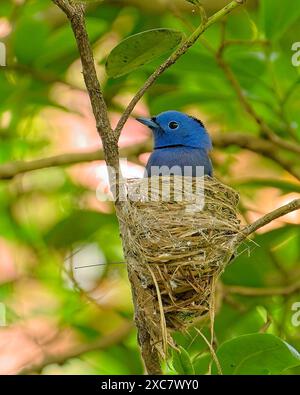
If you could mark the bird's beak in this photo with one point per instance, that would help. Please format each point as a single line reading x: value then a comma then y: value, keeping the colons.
x: 148, y: 122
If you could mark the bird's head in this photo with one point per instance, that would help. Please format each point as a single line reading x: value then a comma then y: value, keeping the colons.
x: 173, y: 128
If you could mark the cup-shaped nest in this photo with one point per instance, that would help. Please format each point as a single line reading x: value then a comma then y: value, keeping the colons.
x: 178, y: 235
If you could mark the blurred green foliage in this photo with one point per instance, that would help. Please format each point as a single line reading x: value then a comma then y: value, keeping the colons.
x: 43, y: 214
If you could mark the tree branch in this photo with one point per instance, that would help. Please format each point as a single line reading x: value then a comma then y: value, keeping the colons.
x: 74, y: 352
x: 252, y: 291
x: 173, y: 58
x: 260, y: 146
x: 11, y: 169
x: 267, y: 218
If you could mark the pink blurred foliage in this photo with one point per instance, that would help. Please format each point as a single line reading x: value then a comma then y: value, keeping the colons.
x: 5, y: 27
x: 268, y: 200
x: 75, y: 131
x: 27, y: 343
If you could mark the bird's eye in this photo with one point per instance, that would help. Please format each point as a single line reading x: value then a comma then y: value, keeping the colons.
x: 173, y: 125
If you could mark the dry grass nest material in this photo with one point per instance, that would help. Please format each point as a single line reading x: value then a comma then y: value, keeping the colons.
x: 176, y: 249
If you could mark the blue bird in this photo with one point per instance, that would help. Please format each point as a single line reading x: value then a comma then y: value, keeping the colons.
x: 181, y: 145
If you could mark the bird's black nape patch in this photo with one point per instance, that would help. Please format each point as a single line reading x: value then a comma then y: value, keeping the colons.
x: 197, y: 120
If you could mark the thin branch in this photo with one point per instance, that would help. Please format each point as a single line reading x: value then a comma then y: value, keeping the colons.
x: 252, y: 291
x: 260, y: 146
x: 190, y: 41
x: 11, y: 169
x: 267, y: 218
x: 74, y: 352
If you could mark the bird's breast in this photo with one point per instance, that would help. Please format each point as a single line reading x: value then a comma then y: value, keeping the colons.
x: 179, y: 161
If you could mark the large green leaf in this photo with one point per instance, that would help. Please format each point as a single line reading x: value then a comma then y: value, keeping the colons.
x: 257, y: 268
x: 77, y: 227
x: 201, y: 364
x: 139, y: 49
x: 259, y: 354
x: 277, y: 16
x: 60, y: 46
x: 182, y: 362
x: 230, y: 323
x: 29, y: 40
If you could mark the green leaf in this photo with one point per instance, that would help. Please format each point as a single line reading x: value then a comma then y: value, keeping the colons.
x: 277, y: 16
x: 201, y: 364
x: 78, y: 226
x: 139, y: 49
x: 230, y: 323
x: 182, y: 362
x: 257, y: 269
x: 60, y: 46
x: 29, y: 39
x: 257, y: 354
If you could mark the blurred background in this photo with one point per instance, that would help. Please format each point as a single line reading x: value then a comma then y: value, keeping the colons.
x: 65, y: 302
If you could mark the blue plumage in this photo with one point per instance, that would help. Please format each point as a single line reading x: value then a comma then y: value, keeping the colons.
x: 181, y: 145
